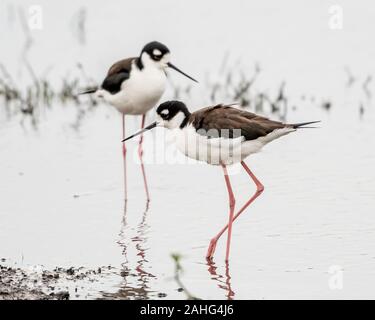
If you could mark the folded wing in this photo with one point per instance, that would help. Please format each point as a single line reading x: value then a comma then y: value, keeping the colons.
x: 228, y: 122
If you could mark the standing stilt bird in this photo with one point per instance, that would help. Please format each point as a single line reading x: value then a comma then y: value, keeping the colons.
x: 134, y: 86
x: 221, y: 135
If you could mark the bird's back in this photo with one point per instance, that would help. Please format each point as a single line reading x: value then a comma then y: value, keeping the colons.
x: 122, y: 65
x: 229, y: 122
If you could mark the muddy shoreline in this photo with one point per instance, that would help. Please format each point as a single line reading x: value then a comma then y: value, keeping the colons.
x: 38, y: 283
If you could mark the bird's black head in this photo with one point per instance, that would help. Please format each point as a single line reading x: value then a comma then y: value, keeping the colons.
x: 156, y: 54
x: 155, y: 50
x: 172, y: 114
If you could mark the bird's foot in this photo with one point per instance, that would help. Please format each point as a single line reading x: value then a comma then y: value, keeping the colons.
x: 211, y: 249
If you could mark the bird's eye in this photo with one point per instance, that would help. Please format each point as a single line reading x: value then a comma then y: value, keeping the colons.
x: 156, y: 52
x: 156, y: 55
x: 164, y: 114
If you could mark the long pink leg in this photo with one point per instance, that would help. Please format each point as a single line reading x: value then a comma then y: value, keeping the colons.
x: 140, y: 154
x: 260, y: 189
x: 232, y: 203
x: 124, y: 157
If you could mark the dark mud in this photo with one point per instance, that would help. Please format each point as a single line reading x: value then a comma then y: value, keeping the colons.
x: 37, y: 283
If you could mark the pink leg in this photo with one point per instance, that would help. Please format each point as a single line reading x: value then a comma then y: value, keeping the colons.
x: 140, y: 153
x: 232, y: 203
x: 124, y: 157
x: 260, y: 189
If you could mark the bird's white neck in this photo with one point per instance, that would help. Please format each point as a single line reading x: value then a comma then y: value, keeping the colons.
x: 176, y: 121
x: 148, y: 63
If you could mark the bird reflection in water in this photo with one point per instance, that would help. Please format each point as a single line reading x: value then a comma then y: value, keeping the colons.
x: 141, y: 288
x: 222, y: 280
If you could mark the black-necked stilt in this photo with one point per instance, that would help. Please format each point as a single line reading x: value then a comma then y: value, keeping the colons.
x: 134, y: 86
x: 221, y: 135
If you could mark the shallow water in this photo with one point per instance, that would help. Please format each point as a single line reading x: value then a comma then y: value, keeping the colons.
x: 62, y: 194
x: 62, y: 205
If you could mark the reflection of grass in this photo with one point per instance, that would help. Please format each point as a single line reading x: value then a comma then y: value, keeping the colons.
x: 178, y: 270
x: 27, y: 99
x: 39, y: 92
x: 237, y: 84
x: 233, y: 83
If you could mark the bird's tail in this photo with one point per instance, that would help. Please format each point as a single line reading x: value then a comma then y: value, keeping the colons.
x: 88, y: 91
x: 303, y: 125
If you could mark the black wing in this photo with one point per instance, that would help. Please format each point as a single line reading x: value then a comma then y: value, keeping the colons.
x: 113, y: 83
x: 117, y: 74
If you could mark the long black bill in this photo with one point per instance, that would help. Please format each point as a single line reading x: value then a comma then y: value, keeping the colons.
x: 170, y: 65
x: 151, y: 126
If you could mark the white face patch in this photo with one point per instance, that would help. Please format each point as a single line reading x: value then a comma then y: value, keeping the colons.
x: 156, y: 52
x: 175, y: 122
x: 153, y: 61
x: 165, y: 112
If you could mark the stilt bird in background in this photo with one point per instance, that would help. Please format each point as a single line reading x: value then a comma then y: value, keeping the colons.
x: 221, y: 135
x: 134, y: 86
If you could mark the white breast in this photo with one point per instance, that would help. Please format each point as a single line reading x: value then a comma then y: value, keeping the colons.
x: 213, y: 151
x: 216, y: 151
x: 141, y: 92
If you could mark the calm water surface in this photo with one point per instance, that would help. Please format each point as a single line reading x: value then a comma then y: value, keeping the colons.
x: 61, y: 188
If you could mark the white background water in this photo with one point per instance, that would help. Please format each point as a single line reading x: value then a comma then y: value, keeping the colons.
x: 318, y: 207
